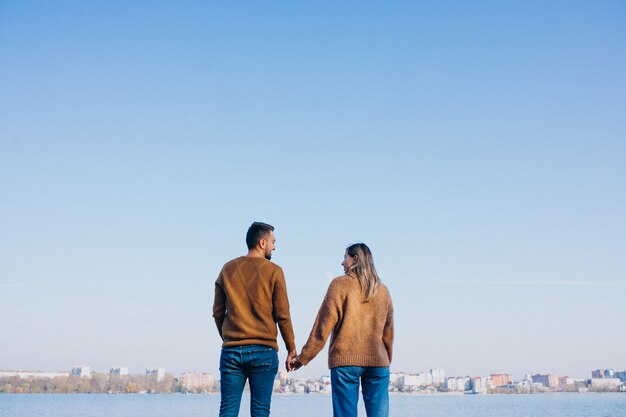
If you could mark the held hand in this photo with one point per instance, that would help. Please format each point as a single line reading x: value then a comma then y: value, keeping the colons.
x: 295, y: 364
x: 290, y: 357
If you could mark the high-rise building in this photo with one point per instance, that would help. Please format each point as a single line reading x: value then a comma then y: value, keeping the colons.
x: 478, y: 384
x: 438, y: 376
x: 501, y: 379
x: 463, y: 383
x: 605, y: 373
x: 158, y: 373
x: 82, y: 371
x: 548, y: 380
x: 412, y: 380
x: 194, y: 380
x: 118, y: 370
x: 598, y: 373
x: 451, y: 384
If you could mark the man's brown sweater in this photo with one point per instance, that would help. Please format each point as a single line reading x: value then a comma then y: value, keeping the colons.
x: 250, y: 299
x: 362, y: 331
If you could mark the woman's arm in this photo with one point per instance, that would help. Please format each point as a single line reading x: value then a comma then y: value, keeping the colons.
x: 325, y: 322
x: 388, y: 330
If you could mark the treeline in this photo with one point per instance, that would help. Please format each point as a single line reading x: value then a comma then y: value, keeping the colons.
x: 97, y: 384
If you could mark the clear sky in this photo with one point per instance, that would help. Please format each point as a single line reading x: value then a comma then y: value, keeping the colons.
x: 479, y: 149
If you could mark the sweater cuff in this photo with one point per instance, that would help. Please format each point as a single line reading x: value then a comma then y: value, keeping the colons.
x: 304, y: 360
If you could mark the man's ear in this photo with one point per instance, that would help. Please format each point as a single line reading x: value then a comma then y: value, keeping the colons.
x: 262, y: 243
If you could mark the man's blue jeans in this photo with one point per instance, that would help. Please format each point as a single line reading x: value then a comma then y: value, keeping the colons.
x: 257, y: 363
x: 375, y: 387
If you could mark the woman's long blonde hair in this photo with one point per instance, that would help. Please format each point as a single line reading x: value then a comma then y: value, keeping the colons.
x: 364, y: 268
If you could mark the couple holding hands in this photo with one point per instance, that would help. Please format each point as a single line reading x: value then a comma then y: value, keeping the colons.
x: 357, y: 312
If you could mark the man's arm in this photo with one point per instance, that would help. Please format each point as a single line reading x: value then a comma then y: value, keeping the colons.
x: 219, y: 306
x: 281, y: 313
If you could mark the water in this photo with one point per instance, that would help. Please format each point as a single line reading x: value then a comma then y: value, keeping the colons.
x: 102, y: 405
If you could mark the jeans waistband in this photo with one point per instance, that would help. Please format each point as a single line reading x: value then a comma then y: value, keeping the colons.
x: 243, y: 348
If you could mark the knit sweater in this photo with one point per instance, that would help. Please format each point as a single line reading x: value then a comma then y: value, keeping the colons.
x: 362, y: 331
x: 250, y: 299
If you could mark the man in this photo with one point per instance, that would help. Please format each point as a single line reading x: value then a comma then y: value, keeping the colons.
x: 250, y: 299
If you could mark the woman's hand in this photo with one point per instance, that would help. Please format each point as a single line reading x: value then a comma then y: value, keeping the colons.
x: 293, y: 363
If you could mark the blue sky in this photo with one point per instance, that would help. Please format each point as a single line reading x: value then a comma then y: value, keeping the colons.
x: 479, y: 149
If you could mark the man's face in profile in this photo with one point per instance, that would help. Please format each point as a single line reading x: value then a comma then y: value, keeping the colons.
x: 270, y: 241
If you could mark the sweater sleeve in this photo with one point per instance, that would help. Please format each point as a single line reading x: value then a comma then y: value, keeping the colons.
x: 388, y: 330
x: 219, y: 305
x: 325, y: 322
x: 281, y: 313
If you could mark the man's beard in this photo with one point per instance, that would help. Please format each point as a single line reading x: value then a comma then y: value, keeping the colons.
x: 268, y: 256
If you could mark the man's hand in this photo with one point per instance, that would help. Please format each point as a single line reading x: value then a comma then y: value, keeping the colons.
x: 295, y: 364
x: 290, y: 362
x: 290, y: 356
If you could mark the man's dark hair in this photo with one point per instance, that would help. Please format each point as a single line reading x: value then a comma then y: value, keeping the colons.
x: 256, y: 232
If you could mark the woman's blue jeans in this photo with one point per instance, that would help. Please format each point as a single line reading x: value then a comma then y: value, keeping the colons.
x: 345, y: 386
x: 256, y: 363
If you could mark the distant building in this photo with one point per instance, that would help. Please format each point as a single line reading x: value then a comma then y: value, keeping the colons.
x: 462, y: 383
x: 501, y: 379
x: 457, y: 384
x: 608, y: 373
x: 395, y: 377
x: 158, y: 373
x: 118, y: 370
x: 603, y: 373
x: 525, y: 383
x: 450, y: 384
x: 82, y: 371
x: 312, y: 388
x: 404, y: 381
x: 195, y: 380
x: 424, y: 379
x: 605, y: 383
x: 478, y: 385
x: 565, y: 381
x: 548, y: 380
x: 412, y: 381
x: 282, y: 376
x: 437, y: 376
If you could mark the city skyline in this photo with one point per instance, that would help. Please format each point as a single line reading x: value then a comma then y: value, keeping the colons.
x: 478, y: 149
x: 156, y: 380
x: 84, y: 370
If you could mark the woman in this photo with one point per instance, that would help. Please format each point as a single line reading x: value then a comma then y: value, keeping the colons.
x: 357, y: 310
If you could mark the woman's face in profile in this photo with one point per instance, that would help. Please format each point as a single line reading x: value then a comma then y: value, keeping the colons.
x: 347, y: 263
